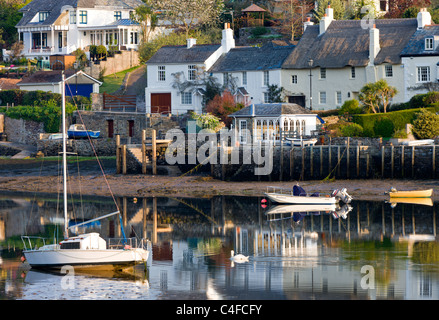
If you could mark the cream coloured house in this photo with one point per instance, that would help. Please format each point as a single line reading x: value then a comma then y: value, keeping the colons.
x: 335, y: 59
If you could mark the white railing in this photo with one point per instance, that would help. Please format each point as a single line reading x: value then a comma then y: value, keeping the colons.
x: 121, y: 243
x: 279, y: 190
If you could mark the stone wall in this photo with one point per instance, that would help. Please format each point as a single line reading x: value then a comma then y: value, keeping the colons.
x: 23, y: 131
x: 125, y: 60
x: 82, y: 147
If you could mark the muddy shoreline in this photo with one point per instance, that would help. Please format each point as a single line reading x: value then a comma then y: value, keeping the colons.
x: 200, y: 186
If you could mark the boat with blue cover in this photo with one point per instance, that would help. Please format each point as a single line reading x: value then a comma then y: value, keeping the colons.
x: 78, y: 131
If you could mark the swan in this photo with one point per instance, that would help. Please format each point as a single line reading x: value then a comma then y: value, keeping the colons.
x: 238, y: 258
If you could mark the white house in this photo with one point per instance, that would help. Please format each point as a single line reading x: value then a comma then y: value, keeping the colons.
x: 174, y: 72
x: 60, y: 27
x: 251, y: 70
x: 76, y: 83
x: 264, y: 122
x: 421, y: 58
x: 335, y: 59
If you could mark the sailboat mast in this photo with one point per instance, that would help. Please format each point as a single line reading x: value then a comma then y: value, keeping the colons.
x: 64, y: 154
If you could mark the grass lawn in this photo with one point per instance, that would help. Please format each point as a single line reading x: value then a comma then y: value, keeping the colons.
x: 113, y: 82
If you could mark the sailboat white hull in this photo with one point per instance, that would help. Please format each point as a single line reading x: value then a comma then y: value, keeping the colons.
x: 84, y: 257
x: 284, y: 198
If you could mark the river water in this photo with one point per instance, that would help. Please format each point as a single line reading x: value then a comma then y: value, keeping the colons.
x: 376, y: 251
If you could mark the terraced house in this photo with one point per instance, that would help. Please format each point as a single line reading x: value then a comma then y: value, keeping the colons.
x: 61, y: 26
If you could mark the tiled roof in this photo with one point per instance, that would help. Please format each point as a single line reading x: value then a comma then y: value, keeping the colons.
x: 9, y: 84
x: 182, y: 54
x: 54, y: 8
x: 416, y: 45
x: 346, y: 43
x: 270, y: 109
x: 252, y: 58
x: 49, y: 77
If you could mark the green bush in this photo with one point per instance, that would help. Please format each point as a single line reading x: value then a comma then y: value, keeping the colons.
x: 258, y: 31
x: 351, y: 130
x: 384, y: 128
x: 426, y: 125
x: 350, y: 107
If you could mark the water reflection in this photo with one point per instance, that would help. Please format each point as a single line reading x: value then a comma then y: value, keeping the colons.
x: 319, y: 255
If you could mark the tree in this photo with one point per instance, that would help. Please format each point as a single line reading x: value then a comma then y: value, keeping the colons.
x: 147, y: 19
x: 397, y: 8
x: 426, y: 125
x: 223, y: 105
x: 274, y: 93
x: 190, y: 13
x: 337, y: 5
x: 376, y: 95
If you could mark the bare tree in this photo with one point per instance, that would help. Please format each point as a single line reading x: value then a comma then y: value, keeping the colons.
x: 190, y: 13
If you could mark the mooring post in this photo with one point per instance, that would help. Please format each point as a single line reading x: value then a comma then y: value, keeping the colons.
x: 413, y: 161
x: 358, y: 161
x: 347, y: 159
x: 124, y: 159
x: 118, y: 154
x: 143, y: 152
x: 154, y: 153
x: 402, y: 161
x: 311, y: 160
x: 292, y: 162
x: 433, y: 160
x: 382, y: 161
x: 338, y: 161
x: 392, y: 159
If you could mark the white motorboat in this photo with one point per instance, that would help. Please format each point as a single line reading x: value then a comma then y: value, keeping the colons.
x: 298, y: 196
x: 86, y: 250
x: 299, y: 142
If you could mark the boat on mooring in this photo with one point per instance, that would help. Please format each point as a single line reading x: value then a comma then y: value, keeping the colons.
x: 78, y: 131
x: 427, y: 193
x: 297, y: 195
x: 87, y: 250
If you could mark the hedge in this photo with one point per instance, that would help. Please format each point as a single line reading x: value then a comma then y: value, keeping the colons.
x: 399, y: 119
x: 31, y: 98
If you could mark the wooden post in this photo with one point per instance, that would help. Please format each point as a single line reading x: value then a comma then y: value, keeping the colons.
x: 347, y: 159
x: 124, y: 159
x: 143, y: 152
x: 382, y: 161
x: 281, y: 160
x: 392, y: 158
x: 303, y: 163
x: 291, y: 162
x: 433, y: 160
x: 338, y: 160
x: 311, y: 153
x: 154, y: 153
x: 321, y: 160
x: 413, y: 161
x: 329, y: 158
x: 367, y: 164
x: 402, y: 161
x: 118, y: 162
x: 358, y: 161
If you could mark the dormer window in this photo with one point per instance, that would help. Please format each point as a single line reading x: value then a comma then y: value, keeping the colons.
x: 43, y: 15
x: 429, y: 43
x: 117, y: 15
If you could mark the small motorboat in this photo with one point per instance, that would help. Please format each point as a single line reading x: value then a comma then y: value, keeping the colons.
x: 420, y: 201
x: 78, y: 131
x: 299, y: 142
x: 297, y: 195
x: 393, y: 193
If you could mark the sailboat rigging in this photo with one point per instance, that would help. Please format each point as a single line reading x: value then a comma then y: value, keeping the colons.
x: 85, y: 250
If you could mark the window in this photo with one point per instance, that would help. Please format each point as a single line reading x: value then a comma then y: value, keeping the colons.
x: 322, y: 73
x: 294, y: 79
x: 72, y: 17
x: 266, y: 78
x: 244, y: 78
x: 117, y: 15
x: 423, y: 74
x: 186, y: 98
x: 338, y: 97
x: 352, y: 72
x: 322, y: 97
x: 83, y: 17
x: 388, y: 71
x: 161, y: 73
x: 266, y: 97
x: 133, y: 37
x: 429, y: 44
x: 192, y: 72
x: 243, y: 131
x: 43, y: 15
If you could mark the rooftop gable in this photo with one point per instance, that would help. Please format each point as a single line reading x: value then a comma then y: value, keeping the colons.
x: 270, y: 109
x: 416, y: 45
x: 182, y: 54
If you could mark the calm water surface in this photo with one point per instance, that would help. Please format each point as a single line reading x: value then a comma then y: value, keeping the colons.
x: 375, y: 252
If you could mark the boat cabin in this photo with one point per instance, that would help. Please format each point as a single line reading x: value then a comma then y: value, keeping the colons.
x: 85, y: 241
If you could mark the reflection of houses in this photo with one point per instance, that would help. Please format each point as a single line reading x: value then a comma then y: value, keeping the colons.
x: 77, y: 83
x: 265, y: 122
x: 52, y: 26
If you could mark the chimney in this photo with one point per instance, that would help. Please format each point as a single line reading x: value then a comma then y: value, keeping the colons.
x: 374, y: 44
x: 307, y: 23
x: 326, y: 20
x: 424, y: 18
x: 191, y: 42
x: 228, y: 42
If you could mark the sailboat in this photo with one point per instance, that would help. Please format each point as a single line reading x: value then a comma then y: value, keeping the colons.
x: 87, y: 250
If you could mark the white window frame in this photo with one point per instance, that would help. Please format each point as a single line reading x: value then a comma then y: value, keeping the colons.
x: 353, y: 73
x: 244, y: 78
x: 322, y: 73
x: 186, y: 98
x: 73, y: 17
x: 322, y: 97
x: 192, y: 72
x: 388, y: 71
x: 294, y: 79
x: 243, y: 131
x: 338, y: 98
x: 161, y: 73
x: 429, y: 44
x: 266, y: 78
x: 423, y: 74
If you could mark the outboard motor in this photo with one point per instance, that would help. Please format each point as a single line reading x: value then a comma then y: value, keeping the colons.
x: 343, y: 211
x: 342, y: 195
